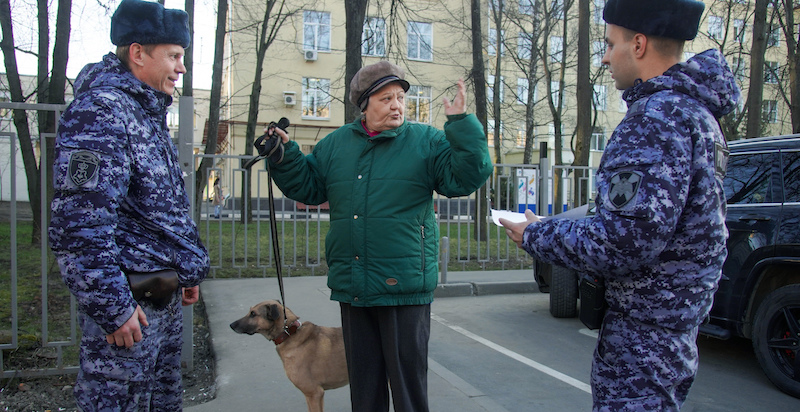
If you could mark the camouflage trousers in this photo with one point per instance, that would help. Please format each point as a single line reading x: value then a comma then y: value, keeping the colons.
x: 146, y: 377
x: 639, y: 367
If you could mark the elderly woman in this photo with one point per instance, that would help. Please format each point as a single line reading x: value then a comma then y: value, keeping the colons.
x: 378, y: 175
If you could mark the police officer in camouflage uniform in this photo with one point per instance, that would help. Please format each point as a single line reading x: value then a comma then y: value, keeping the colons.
x: 120, y: 206
x: 658, y: 237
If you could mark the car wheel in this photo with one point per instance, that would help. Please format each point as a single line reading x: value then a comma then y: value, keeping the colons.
x: 563, y: 293
x: 776, y: 338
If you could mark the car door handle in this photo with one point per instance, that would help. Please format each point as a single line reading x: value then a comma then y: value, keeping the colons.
x: 755, y: 217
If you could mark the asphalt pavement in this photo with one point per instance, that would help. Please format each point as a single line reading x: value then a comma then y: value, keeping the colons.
x: 250, y: 375
x: 494, y: 347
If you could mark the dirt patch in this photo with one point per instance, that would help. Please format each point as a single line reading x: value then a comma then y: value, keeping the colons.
x: 54, y: 393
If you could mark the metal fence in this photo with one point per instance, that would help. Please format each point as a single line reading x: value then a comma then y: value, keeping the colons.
x: 38, y: 325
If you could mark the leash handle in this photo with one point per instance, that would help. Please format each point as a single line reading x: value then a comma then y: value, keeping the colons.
x: 276, y: 249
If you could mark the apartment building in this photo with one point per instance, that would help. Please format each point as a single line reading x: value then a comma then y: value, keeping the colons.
x: 303, y: 68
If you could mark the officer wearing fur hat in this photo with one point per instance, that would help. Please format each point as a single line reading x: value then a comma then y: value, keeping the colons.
x: 378, y: 175
x: 658, y: 237
x: 120, y: 207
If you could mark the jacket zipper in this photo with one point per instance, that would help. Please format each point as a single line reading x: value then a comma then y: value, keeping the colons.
x: 422, y: 247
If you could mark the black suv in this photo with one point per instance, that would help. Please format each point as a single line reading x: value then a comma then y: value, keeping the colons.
x: 759, y: 293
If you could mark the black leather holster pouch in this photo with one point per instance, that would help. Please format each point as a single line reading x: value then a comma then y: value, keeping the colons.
x: 593, y: 302
x: 157, y: 288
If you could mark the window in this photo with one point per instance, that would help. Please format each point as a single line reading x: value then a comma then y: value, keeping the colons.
x: 316, y: 98
x: 556, y: 48
x: 623, y: 105
x: 490, y: 89
x: 526, y: 7
x: 599, y: 97
x: 316, y: 30
x: 373, y: 38
x: 769, y: 111
x: 773, y: 35
x: 420, y: 41
x: 172, y: 116
x: 493, y: 42
x: 771, y: 72
x: 739, y: 69
x: 418, y: 104
x: 520, y: 141
x: 490, y: 124
x: 715, y: 27
x: 598, y: 140
x: 523, y: 86
x: 554, y: 93
x: 738, y: 30
x: 791, y: 177
x: 597, y: 16
x: 5, y: 114
x: 524, y: 46
x: 748, y: 179
x: 598, y: 50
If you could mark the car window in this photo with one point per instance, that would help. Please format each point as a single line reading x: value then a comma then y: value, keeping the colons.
x: 791, y: 177
x: 749, y: 178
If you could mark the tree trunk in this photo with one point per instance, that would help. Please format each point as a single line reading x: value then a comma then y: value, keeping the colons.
x: 354, y: 27
x: 754, y: 96
x: 20, y: 117
x: 188, y: 58
x: 479, y: 79
x: 214, y: 106
x: 263, y: 41
x: 793, y: 59
x: 585, y: 92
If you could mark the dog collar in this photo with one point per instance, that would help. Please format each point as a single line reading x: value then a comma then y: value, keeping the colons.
x: 291, y: 330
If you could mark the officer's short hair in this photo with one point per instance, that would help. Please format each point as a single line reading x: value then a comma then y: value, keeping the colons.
x: 123, y: 53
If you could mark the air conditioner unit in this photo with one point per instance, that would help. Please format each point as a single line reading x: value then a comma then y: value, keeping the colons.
x: 310, y: 55
x: 289, y: 99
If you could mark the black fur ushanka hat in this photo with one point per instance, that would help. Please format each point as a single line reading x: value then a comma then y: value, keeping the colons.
x: 674, y: 19
x: 146, y: 22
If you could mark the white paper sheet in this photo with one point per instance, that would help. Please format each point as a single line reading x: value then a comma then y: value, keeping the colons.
x: 508, y: 215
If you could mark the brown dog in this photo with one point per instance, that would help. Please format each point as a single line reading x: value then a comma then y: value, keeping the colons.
x: 313, y: 356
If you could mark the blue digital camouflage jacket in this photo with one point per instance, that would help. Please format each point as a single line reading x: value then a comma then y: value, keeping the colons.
x: 658, y: 237
x: 120, y: 203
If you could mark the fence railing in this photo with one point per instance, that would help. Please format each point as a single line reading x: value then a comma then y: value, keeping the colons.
x: 38, y: 321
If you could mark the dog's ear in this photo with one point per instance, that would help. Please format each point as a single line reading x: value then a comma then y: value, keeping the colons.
x: 273, y: 312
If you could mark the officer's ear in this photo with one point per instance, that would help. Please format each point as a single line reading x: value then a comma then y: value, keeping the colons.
x: 639, y: 44
x: 136, y: 55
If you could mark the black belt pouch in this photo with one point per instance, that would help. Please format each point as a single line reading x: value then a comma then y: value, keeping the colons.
x: 157, y: 288
x: 593, y: 302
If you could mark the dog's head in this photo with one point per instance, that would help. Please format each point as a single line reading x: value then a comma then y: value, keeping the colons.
x: 265, y: 318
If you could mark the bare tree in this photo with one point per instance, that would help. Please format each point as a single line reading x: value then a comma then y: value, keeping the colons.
x: 755, y: 94
x: 188, y: 58
x: 214, y: 104
x: 354, y: 27
x: 49, y: 90
x: 498, y: 45
x: 478, y: 72
x: 785, y: 17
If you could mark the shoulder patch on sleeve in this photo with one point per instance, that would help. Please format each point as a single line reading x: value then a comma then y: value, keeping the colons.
x: 623, y: 188
x: 83, y: 167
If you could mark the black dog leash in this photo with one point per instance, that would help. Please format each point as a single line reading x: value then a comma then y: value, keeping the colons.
x: 269, y: 146
x: 276, y: 248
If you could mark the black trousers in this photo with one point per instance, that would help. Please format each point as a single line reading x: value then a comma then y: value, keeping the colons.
x: 387, y: 346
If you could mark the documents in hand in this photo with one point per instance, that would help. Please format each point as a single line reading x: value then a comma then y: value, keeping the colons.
x: 573, y: 214
x: 508, y: 215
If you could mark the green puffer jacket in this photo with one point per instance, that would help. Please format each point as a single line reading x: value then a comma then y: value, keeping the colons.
x: 383, y: 245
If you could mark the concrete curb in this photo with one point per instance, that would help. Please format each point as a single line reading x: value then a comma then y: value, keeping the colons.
x: 450, y: 290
